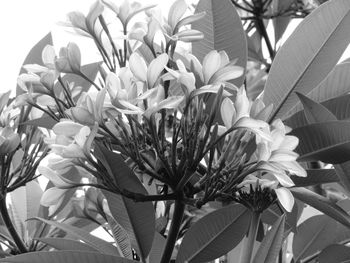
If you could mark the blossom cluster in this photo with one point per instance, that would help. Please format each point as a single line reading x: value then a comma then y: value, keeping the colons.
x: 160, y: 112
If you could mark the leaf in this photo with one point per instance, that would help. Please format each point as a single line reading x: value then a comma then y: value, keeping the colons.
x: 315, y: 234
x: 274, y: 212
x: 339, y: 107
x: 121, y: 237
x: 322, y: 204
x: 66, y: 244
x: 334, y: 85
x: 44, y: 121
x: 335, y: 253
x: 137, y: 218
x: 271, y: 244
x: 315, y: 112
x: 89, y: 70
x: 342, y: 171
x: 315, y: 177
x: 97, y: 243
x: 328, y: 142
x: 34, y: 56
x: 157, y: 248
x: 65, y: 257
x: 215, y: 234
x: 303, y: 62
x: 280, y: 23
x: 223, y: 30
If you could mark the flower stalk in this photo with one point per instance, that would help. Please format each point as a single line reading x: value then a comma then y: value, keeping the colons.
x: 10, y: 227
x: 179, y: 210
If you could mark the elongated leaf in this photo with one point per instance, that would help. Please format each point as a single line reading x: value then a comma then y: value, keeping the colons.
x: 271, y: 244
x: 137, y: 218
x: 316, y: 177
x: 335, y: 253
x: 303, y: 62
x: 45, y: 122
x: 328, y: 142
x: 67, y: 244
x: 34, y: 56
x: 274, y: 212
x: 314, y: 234
x: 322, y: 204
x: 315, y: 112
x: 215, y: 234
x: 339, y: 107
x: 343, y: 173
x: 121, y: 237
x: 157, y: 248
x: 90, y: 70
x: 95, y: 242
x: 280, y: 23
x: 65, y: 257
x: 223, y: 30
x: 334, y: 85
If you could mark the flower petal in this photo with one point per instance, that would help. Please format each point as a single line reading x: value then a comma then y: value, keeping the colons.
x: 228, y: 112
x: 176, y: 11
x: 155, y: 69
x: 52, y: 196
x: 285, y: 198
x: 211, y: 64
x: 67, y: 128
x: 138, y: 66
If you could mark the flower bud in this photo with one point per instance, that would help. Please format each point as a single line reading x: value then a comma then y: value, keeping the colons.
x: 9, y: 140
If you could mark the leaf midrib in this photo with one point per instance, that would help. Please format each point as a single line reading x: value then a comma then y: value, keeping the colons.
x: 307, y: 66
x: 201, y: 248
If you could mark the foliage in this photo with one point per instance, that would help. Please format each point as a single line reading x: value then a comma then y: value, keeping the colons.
x: 174, y: 144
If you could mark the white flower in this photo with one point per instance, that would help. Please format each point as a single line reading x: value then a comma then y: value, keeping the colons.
x: 283, y: 194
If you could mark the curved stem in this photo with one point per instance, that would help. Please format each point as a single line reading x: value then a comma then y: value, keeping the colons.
x: 249, y: 243
x: 10, y: 227
x: 173, y: 231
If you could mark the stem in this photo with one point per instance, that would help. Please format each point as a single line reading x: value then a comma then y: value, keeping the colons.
x: 173, y: 231
x: 262, y: 30
x: 10, y: 227
x: 249, y: 244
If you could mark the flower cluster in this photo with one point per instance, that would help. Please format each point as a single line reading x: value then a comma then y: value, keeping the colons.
x: 160, y: 110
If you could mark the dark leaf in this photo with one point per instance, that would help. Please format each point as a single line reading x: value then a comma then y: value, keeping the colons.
x: 65, y: 257
x: 271, y: 244
x: 322, y: 204
x: 303, y: 62
x: 137, y: 218
x: 215, y: 234
x: 328, y: 142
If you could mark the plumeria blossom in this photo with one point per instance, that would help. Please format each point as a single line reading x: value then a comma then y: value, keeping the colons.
x: 126, y: 10
x: 122, y: 90
x: 149, y: 75
x: 171, y: 25
x: 276, y: 162
x: 85, y: 26
x: 216, y: 69
x: 54, y: 195
x: 72, y: 139
x: 237, y: 114
x: 9, y: 140
x: 277, y: 156
x: 89, y: 110
x: 283, y: 194
x: 69, y: 60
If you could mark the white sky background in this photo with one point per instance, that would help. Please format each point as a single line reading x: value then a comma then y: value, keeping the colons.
x: 25, y: 22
